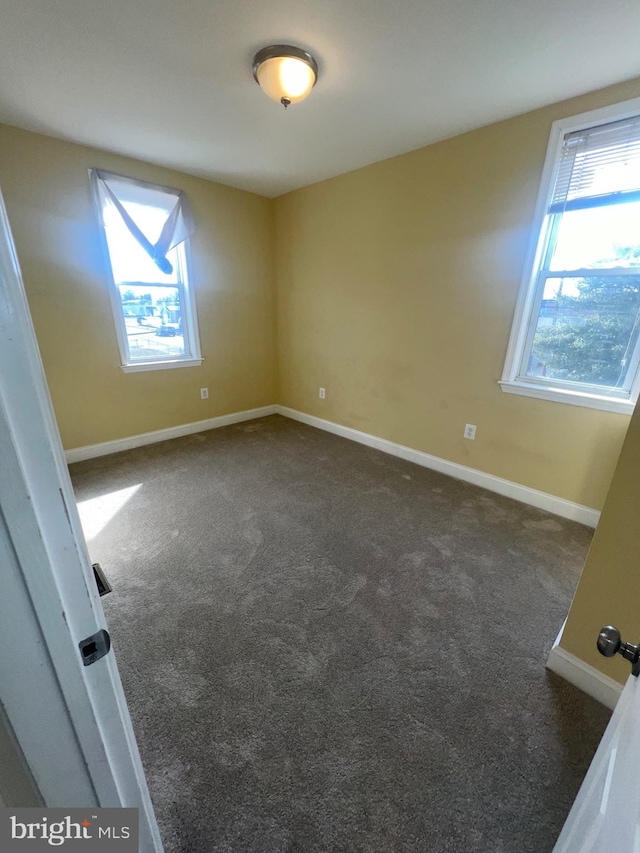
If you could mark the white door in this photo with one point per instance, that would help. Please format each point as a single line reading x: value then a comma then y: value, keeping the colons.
x: 70, y: 719
x: 605, y: 817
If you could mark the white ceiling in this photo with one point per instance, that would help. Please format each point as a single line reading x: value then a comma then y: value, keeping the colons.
x: 169, y: 81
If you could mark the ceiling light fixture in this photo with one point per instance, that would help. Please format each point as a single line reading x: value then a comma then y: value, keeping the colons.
x: 285, y: 73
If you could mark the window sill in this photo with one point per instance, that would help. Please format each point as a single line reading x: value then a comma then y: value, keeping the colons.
x: 138, y: 367
x: 574, y: 398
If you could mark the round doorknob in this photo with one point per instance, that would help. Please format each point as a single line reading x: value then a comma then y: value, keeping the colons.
x: 609, y: 641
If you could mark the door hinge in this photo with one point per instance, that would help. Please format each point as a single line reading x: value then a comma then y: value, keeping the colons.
x: 102, y: 583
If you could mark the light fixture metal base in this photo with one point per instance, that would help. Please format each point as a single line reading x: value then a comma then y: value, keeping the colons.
x: 275, y: 50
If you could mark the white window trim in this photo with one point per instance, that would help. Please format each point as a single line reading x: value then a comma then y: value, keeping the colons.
x: 190, y: 322
x: 511, y: 382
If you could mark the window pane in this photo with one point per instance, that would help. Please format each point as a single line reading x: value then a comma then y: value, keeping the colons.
x: 153, y: 321
x: 586, y: 330
x: 598, y: 237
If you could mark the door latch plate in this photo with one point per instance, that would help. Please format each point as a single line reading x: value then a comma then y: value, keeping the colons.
x: 94, y: 647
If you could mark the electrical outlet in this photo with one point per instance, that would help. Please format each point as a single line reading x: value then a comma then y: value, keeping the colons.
x: 322, y: 394
x: 204, y: 393
x: 470, y: 431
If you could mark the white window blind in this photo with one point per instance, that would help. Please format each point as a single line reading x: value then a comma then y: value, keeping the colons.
x: 598, y: 166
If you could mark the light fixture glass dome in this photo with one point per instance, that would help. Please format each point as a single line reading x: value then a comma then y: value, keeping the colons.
x: 286, y: 74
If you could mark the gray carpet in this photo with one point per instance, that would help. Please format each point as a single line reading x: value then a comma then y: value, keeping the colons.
x: 326, y: 648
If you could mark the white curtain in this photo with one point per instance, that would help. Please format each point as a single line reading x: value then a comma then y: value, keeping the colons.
x: 178, y: 226
x: 605, y: 817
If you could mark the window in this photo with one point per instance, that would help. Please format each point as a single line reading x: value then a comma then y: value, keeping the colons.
x: 147, y: 231
x: 576, y: 334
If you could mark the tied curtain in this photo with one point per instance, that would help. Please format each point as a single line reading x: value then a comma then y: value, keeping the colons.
x: 178, y: 226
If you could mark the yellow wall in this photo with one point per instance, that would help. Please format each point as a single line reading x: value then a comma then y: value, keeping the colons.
x: 396, y: 290
x: 608, y: 590
x: 46, y: 190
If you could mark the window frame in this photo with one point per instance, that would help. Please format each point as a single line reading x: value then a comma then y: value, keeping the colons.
x: 191, y: 335
x: 531, y: 292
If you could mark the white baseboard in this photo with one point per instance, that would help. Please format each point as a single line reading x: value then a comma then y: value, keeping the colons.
x: 91, y: 451
x: 524, y: 494
x: 584, y: 676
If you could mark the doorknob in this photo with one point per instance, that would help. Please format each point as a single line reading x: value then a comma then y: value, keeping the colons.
x: 610, y: 643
